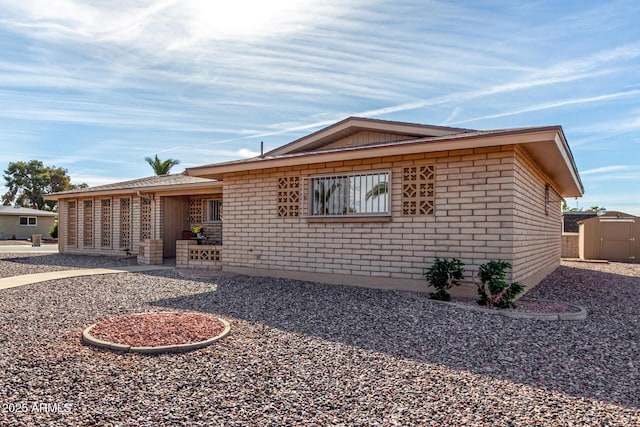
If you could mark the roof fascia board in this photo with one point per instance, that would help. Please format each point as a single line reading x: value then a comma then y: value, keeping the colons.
x: 164, y: 190
x: 564, y: 149
x: 460, y: 143
x: 536, y: 141
x: 7, y: 213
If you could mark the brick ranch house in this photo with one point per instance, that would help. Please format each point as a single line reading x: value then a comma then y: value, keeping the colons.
x: 361, y: 202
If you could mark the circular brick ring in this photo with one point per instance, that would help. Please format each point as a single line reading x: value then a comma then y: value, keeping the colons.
x: 155, y: 333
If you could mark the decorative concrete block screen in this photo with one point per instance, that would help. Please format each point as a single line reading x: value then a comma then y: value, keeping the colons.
x: 105, y: 225
x: 145, y: 218
x: 288, y: 196
x: 125, y: 223
x: 88, y: 223
x: 204, y: 253
x: 191, y: 255
x: 196, y: 211
x: 418, y: 183
x: 72, y: 223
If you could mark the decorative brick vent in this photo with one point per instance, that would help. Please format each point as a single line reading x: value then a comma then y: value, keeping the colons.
x: 196, y: 211
x: 206, y: 254
x: 72, y: 227
x: 125, y: 223
x: 88, y: 223
x: 105, y: 225
x: 288, y: 196
x: 145, y: 218
x: 418, y: 183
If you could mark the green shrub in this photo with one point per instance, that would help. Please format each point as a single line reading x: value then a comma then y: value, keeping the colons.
x: 501, y: 294
x: 442, y: 275
x: 54, y: 230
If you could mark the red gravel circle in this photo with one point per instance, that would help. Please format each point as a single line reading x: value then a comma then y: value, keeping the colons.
x: 158, y: 329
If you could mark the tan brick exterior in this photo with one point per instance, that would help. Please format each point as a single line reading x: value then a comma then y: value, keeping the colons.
x: 537, y: 222
x: 489, y: 204
x: 114, y: 223
x: 150, y: 252
x: 191, y: 255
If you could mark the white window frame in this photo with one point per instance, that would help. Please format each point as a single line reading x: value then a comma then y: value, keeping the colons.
x: 216, y: 205
x: 383, y: 206
x: 28, y: 224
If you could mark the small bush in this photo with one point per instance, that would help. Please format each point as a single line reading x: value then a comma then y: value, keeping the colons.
x: 442, y: 275
x: 54, y: 230
x: 501, y: 294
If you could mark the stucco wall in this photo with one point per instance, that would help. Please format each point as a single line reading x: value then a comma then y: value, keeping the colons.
x: 473, y: 220
x: 10, y: 225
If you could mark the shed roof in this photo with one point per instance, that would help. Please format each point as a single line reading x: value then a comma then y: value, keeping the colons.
x: 20, y: 211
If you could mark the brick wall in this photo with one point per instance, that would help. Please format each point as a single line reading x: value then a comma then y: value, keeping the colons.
x: 473, y: 220
x: 96, y: 248
x: 197, y: 217
x: 537, y: 222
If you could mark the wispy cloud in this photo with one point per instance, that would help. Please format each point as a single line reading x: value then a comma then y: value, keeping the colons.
x: 555, y: 104
x: 604, y: 169
x: 206, y: 81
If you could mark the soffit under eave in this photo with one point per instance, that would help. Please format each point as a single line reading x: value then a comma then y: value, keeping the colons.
x: 553, y: 157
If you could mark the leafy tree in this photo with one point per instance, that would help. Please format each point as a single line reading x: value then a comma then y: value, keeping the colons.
x: 28, y: 183
x: 161, y: 167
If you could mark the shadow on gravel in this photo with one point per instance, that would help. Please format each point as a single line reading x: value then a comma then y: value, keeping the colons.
x: 593, y: 358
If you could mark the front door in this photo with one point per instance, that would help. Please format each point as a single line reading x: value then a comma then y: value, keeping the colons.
x: 176, y: 220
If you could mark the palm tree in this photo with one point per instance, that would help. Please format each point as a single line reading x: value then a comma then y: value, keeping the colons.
x: 378, y: 189
x: 161, y: 167
x: 323, y: 190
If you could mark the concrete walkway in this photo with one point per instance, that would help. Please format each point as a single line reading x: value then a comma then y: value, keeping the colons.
x: 19, y: 247
x: 27, y: 279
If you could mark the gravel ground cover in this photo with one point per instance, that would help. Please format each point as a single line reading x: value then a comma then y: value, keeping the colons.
x: 312, y: 354
x: 14, y: 264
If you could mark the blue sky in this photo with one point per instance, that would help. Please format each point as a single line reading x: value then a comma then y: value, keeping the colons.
x: 95, y: 86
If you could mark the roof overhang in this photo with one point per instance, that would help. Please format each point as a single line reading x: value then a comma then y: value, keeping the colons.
x: 161, y: 190
x: 17, y: 212
x: 547, y: 146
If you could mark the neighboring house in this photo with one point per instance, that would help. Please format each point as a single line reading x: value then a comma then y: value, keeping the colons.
x: 363, y: 202
x: 570, y: 232
x: 23, y: 222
